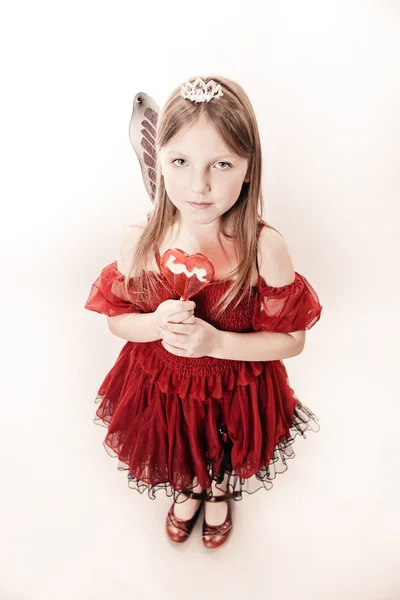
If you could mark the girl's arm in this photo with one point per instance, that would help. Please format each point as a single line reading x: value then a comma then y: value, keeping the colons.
x: 257, y: 346
x: 135, y: 327
x: 276, y: 268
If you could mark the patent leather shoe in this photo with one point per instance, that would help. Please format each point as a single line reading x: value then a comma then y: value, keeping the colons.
x: 214, y: 536
x: 179, y: 530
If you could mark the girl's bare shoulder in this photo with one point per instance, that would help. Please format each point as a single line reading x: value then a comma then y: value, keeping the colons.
x: 130, y: 236
x: 275, y: 262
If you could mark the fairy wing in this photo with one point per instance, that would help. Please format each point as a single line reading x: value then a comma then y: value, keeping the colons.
x: 142, y: 133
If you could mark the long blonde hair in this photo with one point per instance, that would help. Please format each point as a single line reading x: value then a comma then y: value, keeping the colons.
x: 234, y: 118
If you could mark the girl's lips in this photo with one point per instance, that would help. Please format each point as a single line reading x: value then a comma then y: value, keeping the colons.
x: 198, y: 206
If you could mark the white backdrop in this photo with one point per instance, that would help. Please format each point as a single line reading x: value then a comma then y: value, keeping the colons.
x: 323, y: 78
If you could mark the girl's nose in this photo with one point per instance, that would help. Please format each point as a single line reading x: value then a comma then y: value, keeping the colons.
x: 200, y: 186
x: 200, y: 189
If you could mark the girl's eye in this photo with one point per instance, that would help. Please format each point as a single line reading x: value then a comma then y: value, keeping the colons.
x: 221, y: 162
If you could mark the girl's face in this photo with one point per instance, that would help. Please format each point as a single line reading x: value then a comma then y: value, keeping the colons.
x: 198, y: 167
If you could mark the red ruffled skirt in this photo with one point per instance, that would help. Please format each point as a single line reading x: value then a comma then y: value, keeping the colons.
x: 175, y: 423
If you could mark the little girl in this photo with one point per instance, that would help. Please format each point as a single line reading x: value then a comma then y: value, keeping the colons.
x: 198, y: 402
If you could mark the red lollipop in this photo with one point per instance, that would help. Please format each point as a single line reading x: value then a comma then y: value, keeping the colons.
x: 187, y: 273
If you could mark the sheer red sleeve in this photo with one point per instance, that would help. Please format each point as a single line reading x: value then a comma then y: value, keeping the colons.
x: 285, y: 309
x: 107, y: 294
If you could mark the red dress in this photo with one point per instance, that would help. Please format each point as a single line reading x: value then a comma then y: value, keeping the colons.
x: 174, y: 422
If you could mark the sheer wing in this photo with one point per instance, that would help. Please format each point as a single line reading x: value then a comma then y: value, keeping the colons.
x: 142, y: 133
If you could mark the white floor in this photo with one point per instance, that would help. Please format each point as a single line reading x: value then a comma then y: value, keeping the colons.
x: 72, y: 528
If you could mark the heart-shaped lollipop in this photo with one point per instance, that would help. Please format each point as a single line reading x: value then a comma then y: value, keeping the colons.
x: 187, y: 273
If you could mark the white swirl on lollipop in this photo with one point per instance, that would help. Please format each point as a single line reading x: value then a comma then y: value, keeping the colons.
x: 178, y: 268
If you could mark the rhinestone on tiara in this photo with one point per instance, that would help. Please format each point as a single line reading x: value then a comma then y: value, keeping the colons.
x: 199, y: 91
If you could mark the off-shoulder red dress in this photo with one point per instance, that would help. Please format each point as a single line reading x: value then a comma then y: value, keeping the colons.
x: 174, y: 422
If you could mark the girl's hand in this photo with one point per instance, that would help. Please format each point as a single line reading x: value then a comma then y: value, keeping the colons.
x: 176, y: 311
x: 193, y: 340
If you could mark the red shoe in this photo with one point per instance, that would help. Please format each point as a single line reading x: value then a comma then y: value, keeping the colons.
x: 214, y: 536
x: 184, y: 526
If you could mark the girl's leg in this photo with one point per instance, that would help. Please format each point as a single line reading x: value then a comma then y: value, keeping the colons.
x: 216, y: 512
x: 185, y: 510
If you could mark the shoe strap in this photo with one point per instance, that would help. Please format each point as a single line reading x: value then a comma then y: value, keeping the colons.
x: 193, y: 495
x: 222, y: 497
x: 202, y: 496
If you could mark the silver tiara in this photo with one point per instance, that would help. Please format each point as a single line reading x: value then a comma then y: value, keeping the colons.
x: 199, y: 91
